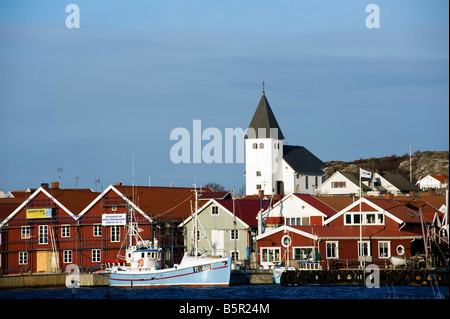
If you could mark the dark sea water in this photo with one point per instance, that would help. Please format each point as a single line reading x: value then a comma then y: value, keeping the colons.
x: 233, y: 292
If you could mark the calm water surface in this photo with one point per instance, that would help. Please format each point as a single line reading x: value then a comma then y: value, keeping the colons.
x: 232, y: 292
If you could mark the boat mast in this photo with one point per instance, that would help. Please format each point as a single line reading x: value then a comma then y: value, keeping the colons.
x: 235, y: 230
x: 196, y: 222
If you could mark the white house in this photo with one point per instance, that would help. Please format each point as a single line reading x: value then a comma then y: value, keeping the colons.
x: 392, y: 183
x: 432, y: 182
x: 347, y: 183
x: 271, y: 166
x: 343, y: 183
x: 295, y: 210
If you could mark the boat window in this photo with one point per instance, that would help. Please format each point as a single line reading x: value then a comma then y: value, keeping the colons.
x: 142, y: 255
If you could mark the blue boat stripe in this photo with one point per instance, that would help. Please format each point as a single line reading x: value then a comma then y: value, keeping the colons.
x: 144, y: 279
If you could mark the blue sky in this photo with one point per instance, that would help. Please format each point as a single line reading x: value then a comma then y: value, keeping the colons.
x: 85, y: 99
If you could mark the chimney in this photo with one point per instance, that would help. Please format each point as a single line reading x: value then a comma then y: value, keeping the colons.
x: 118, y: 184
x: 55, y: 185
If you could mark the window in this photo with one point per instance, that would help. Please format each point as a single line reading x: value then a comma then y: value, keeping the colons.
x: 303, y: 253
x: 261, y: 145
x: 316, y: 180
x: 255, y: 146
x: 65, y: 231
x: 366, y: 218
x: 258, y: 186
x: 98, y: 230
x: 338, y: 184
x: 234, y: 234
x: 363, y: 248
x: 306, y: 182
x: 258, y: 173
x: 370, y: 218
x: 332, y: 250
x: 270, y: 255
x: 96, y: 255
x: 380, y: 219
x: 297, y: 221
x: 43, y: 234
x: 234, y: 255
x: 115, y: 233
x: 25, y: 232
x: 348, y: 219
x: 215, y: 210
x: 23, y: 257
x: 384, y: 249
x: 67, y: 256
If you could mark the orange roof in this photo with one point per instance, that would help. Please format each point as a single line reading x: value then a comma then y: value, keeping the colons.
x: 74, y: 200
x: 164, y: 203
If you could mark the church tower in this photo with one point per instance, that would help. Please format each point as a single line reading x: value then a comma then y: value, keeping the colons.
x: 264, y: 152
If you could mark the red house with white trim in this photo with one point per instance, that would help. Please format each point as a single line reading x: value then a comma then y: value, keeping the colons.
x: 386, y: 228
x: 41, y: 234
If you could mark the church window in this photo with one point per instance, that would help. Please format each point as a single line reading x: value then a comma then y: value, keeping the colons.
x: 261, y: 145
x: 255, y: 146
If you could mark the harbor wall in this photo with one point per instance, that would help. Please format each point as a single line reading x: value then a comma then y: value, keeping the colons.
x: 50, y: 280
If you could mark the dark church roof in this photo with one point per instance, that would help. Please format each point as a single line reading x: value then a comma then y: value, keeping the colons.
x: 303, y: 161
x: 264, y: 118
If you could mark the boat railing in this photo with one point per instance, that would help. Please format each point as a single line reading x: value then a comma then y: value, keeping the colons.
x: 214, y: 253
x: 309, y: 265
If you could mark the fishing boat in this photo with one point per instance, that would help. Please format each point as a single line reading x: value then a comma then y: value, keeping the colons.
x: 143, y: 266
x: 278, y: 271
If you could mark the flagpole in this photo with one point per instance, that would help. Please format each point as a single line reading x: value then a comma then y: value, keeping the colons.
x: 410, y: 162
x: 360, y: 246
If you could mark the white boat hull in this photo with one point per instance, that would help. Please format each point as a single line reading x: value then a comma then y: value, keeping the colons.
x: 192, y: 271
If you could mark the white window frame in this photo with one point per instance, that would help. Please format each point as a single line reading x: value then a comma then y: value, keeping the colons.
x: 96, y: 255
x: 43, y: 234
x: 115, y: 234
x: 274, y: 251
x: 336, y: 249
x: 23, y: 257
x: 65, y: 231
x: 301, y: 247
x: 366, y: 242
x: 97, y: 230
x: 67, y: 256
x: 233, y: 233
x: 388, y: 243
x: 25, y: 232
x: 215, y: 210
x: 379, y: 218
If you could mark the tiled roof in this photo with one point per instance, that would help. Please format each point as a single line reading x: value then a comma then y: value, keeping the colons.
x: 265, y: 119
x: 162, y: 203
x: 336, y: 202
x: 397, y: 209
x: 245, y: 209
x: 317, y: 204
x: 74, y: 200
x: 302, y: 161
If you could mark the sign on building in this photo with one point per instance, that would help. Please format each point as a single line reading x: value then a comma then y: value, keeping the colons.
x: 114, y: 219
x: 36, y: 213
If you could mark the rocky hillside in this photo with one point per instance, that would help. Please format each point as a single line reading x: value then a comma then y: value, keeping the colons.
x: 423, y: 163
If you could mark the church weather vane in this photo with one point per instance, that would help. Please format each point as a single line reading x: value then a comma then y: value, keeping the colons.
x: 263, y: 84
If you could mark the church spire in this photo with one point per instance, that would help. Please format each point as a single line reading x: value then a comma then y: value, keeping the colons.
x: 264, y: 118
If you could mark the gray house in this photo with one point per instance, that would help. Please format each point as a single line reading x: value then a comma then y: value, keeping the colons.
x: 225, y: 227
